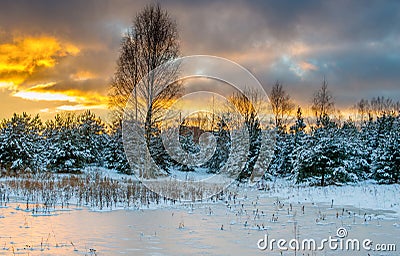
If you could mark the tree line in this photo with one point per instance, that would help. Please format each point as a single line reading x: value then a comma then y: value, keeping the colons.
x: 321, y: 152
x: 328, y: 150
x: 67, y: 143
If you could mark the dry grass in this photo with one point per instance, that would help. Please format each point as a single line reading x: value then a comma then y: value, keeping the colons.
x: 48, y: 190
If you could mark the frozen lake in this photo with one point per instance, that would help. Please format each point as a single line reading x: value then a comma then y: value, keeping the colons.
x: 231, y: 227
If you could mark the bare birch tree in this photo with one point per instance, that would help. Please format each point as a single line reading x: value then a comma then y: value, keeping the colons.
x: 282, y: 105
x: 323, y: 103
x: 151, y: 41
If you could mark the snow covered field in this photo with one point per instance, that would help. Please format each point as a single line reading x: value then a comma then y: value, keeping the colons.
x: 232, y: 225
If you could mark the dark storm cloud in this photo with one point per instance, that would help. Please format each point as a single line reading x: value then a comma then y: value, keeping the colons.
x: 242, y: 24
x: 83, y: 21
x: 354, y: 44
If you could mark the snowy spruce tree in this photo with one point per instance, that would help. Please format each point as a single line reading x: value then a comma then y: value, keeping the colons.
x: 321, y: 161
x: 92, y: 137
x: 66, y: 151
x: 114, y: 154
x: 387, y: 154
x: 223, y: 149
x: 281, y: 163
x: 299, y: 139
x: 356, y: 162
x: 20, y: 142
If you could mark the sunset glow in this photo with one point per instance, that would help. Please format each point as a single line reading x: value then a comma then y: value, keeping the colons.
x: 45, y: 96
x: 82, y: 76
x: 69, y: 54
x: 24, y: 55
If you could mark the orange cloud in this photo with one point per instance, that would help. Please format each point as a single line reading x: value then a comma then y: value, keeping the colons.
x: 24, y: 55
x: 78, y: 100
x: 82, y: 76
x: 299, y: 48
x: 307, y: 66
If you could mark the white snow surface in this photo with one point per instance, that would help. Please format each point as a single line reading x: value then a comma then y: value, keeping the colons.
x: 367, y: 194
x: 230, y: 226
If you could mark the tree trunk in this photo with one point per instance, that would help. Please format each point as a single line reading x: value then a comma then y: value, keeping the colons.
x: 148, y: 126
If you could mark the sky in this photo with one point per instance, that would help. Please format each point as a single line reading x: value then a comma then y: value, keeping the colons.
x: 60, y: 55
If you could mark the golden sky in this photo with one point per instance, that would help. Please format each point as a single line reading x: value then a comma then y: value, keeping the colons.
x: 28, y: 80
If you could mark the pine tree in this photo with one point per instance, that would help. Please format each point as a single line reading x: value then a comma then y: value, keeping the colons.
x: 223, y: 149
x: 66, y: 151
x: 322, y: 160
x: 299, y: 125
x: 19, y: 142
x: 114, y: 154
x: 281, y: 162
x: 356, y: 155
x: 92, y: 137
x: 387, y: 158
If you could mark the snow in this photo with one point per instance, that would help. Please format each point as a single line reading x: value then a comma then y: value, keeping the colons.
x: 367, y: 194
x: 231, y: 225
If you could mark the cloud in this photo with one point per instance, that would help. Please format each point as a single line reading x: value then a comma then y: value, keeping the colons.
x: 41, y: 69
x: 45, y: 96
x: 354, y: 44
x: 50, y: 92
x: 23, y: 56
x: 46, y: 69
x: 80, y: 107
x: 82, y: 75
x: 306, y: 66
